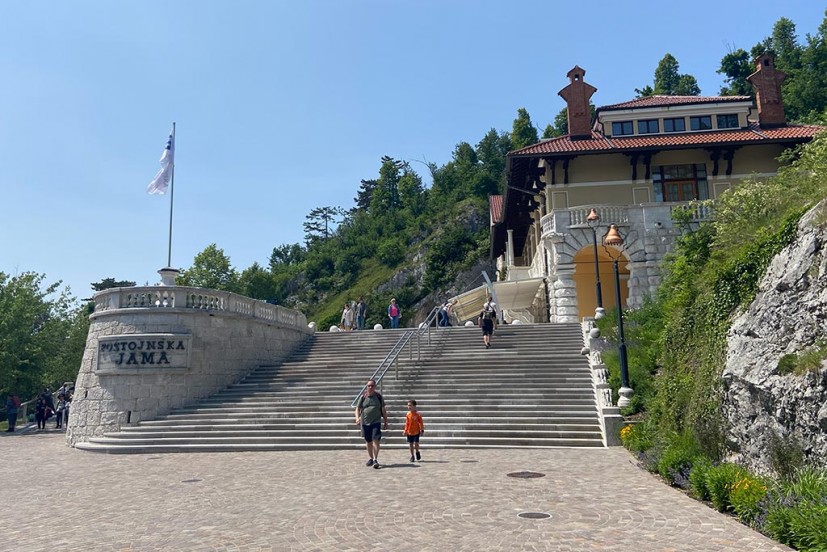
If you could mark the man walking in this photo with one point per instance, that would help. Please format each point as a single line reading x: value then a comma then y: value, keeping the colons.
x: 369, y: 413
x: 488, y: 320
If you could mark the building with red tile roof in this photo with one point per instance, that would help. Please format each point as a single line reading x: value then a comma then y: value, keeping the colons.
x: 634, y: 164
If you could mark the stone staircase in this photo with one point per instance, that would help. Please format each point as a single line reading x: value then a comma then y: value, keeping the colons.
x: 531, y: 389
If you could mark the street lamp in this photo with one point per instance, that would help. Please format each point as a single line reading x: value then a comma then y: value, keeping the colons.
x: 593, y: 221
x: 613, y: 244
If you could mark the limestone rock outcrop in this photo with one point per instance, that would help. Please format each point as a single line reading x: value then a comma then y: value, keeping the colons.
x: 788, y: 316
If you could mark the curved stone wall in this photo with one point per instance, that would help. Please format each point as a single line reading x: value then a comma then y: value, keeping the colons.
x: 152, y: 349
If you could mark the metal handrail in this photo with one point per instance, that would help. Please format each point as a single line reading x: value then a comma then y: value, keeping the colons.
x: 393, y: 356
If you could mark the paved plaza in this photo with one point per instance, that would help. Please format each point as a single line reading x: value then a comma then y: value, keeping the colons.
x: 57, y: 498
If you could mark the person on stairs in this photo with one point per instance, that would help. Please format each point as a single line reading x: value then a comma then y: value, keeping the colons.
x: 369, y: 414
x: 394, y: 313
x: 488, y: 321
x: 347, y: 318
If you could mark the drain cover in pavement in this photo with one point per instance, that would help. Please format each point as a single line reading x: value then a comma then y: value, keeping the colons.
x: 534, y: 515
x: 194, y: 480
x: 526, y: 475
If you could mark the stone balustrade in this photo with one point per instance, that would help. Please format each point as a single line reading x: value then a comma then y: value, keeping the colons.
x: 152, y: 349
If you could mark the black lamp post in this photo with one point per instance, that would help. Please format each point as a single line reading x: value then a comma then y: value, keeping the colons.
x: 593, y: 221
x: 613, y: 244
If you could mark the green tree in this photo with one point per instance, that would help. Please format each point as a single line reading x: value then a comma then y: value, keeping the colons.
x: 108, y: 283
x: 560, y: 126
x: 364, y: 194
x: 211, y: 269
x: 669, y: 81
x: 286, y: 255
x: 412, y: 193
x: 320, y: 222
x: 258, y: 283
x: 42, y: 334
x: 385, y: 196
x: 736, y: 67
x: 523, y: 133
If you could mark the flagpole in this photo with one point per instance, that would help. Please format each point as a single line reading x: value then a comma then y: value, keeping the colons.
x: 171, y: 197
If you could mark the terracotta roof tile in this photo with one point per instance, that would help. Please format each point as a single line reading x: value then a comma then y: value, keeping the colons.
x: 495, y: 206
x: 665, y: 101
x: 602, y: 144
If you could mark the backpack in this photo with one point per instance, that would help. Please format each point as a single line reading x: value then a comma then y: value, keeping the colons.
x: 488, y: 312
x: 16, y: 401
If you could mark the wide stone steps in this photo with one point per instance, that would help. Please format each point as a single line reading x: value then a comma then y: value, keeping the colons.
x: 531, y: 389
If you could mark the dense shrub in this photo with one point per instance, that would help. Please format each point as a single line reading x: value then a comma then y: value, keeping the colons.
x: 720, y: 480
x: 675, y: 463
x: 797, y: 511
x: 746, y: 497
x: 638, y: 437
x: 698, y: 477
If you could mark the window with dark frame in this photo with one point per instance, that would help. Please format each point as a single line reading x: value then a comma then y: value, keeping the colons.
x: 680, y: 182
x: 648, y: 126
x: 677, y: 124
x: 621, y: 128
x: 729, y: 120
x: 702, y: 122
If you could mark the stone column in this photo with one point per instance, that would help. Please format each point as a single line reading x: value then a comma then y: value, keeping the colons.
x: 509, y: 261
x: 565, y: 295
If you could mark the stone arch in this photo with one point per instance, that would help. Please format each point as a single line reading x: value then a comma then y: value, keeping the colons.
x: 585, y: 280
x: 572, y: 271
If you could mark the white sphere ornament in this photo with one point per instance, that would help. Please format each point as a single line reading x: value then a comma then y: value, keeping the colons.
x: 594, y: 333
x: 334, y: 329
x: 517, y: 322
x: 422, y: 325
x: 312, y: 326
x: 377, y: 327
x: 599, y: 313
x: 469, y: 323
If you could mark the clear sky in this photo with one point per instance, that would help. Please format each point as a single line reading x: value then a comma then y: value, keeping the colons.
x: 283, y: 106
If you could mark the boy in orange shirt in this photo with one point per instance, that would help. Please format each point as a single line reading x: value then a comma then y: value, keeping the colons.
x: 414, y: 427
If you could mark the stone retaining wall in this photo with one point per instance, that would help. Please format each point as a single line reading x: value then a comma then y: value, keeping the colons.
x: 150, y: 350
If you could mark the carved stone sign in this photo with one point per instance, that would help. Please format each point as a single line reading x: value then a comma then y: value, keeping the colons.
x: 139, y: 352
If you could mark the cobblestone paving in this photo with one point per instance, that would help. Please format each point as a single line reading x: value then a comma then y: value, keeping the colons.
x: 59, y: 498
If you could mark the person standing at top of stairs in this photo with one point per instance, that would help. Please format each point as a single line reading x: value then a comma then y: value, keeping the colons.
x: 369, y: 413
x: 394, y: 313
x: 488, y: 320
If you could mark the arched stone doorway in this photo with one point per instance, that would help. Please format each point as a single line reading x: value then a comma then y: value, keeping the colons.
x: 584, y: 279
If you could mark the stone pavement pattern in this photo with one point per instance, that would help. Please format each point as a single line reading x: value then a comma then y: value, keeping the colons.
x: 58, y: 498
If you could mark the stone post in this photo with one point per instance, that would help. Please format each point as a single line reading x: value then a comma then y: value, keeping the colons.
x: 565, y: 295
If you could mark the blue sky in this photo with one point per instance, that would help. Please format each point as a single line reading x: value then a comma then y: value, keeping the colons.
x: 285, y: 106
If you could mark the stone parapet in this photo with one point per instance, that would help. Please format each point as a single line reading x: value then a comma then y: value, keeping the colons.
x: 152, y: 349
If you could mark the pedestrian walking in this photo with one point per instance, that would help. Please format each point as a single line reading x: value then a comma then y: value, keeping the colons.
x: 394, y: 313
x: 40, y: 409
x: 369, y: 414
x: 488, y: 321
x: 414, y: 429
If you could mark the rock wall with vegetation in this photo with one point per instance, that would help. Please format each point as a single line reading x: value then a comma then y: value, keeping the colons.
x: 775, y: 380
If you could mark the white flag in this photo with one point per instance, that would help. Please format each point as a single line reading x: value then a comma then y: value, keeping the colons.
x: 161, y: 181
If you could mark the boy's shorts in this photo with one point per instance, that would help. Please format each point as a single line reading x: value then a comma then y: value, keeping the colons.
x: 372, y: 432
x: 413, y: 438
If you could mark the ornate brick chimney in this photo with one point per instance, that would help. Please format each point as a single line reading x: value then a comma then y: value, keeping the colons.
x: 577, y: 95
x: 767, y: 84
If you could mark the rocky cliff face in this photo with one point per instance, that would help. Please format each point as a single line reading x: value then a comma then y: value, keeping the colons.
x: 789, y: 316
